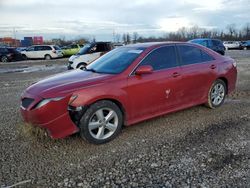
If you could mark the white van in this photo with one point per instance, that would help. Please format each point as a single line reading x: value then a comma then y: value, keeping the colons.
x: 88, y: 54
x: 42, y: 52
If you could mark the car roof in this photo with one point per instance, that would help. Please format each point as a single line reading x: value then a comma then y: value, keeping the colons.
x: 152, y: 44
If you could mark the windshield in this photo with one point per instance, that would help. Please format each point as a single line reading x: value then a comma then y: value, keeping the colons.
x: 84, y: 49
x: 116, y: 60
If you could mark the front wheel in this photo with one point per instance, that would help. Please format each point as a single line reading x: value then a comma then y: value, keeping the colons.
x: 217, y: 94
x: 4, y: 59
x: 101, y: 123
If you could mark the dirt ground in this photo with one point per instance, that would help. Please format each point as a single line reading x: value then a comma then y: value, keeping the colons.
x: 196, y: 147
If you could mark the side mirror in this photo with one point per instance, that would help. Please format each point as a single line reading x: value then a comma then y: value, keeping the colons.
x: 144, y: 69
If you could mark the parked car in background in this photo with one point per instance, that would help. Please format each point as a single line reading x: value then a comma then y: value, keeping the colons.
x: 71, y: 49
x: 88, y: 54
x: 245, y: 45
x: 232, y: 45
x: 214, y: 44
x: 128, y: 85
x: 42, y: 52
x: 19, y: 49
x: 9, y: 54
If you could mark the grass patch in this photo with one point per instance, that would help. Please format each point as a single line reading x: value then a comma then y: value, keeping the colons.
x: 34, y: 132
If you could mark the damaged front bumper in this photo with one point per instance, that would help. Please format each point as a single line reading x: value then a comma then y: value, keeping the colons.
x: 53, y: 116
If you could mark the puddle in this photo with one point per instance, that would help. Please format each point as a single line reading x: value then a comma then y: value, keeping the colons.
x: 33, y: 69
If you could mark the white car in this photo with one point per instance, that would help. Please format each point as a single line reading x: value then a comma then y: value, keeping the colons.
x: 88, y: 54
x: 42, y: 52
x: 231, y: 45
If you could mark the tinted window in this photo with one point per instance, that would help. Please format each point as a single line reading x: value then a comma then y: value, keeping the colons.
x: 101, y: 47
x: 161, y: 58
x: 30, y: 48
x: 47, y: 48
x: 192, y: 55
x: 55, y: 47
x: 206, y: 57
x: 217, y: 43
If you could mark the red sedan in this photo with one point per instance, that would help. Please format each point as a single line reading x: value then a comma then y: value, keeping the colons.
x: 128, y: 85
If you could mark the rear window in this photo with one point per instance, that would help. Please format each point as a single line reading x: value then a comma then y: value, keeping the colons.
x: 56, y: 47
x: 217, y: 43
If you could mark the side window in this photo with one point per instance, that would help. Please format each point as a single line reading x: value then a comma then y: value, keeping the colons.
x: 206, y: 57
x: 38, y: 48
x: 189, y: 55
x: 45, y: 48
x: 30, y: 48
x: 100, y: 48
x: 161, y: 58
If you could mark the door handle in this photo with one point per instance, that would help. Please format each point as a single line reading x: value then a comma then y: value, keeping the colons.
x: 175, y: 74
x: 213, y: 66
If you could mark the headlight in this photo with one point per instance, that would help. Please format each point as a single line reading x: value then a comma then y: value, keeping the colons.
x: 46, y: 101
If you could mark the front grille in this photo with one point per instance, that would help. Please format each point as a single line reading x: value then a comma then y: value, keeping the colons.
x: 26, y: 102
x: 70, y: 62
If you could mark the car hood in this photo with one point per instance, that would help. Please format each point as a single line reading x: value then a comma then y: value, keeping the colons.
x: 66, y: 83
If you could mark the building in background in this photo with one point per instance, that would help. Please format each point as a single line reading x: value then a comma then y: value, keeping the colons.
x: 9, y: 41
x: 27, y: 41
x: 38, y: 40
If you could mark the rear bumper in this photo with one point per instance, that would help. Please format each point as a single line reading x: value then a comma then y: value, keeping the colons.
x: 53, y: 117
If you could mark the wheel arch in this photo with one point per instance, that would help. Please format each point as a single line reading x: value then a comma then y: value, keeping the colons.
x: 118, y: 103
x: 225, y: 81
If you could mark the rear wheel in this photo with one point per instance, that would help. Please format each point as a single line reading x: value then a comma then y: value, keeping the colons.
x: 217, y: 94
x: 101, y: 123
x: 47, y: 57
x: 4, y: 59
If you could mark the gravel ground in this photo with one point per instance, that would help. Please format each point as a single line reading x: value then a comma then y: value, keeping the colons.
x: 196, y: 147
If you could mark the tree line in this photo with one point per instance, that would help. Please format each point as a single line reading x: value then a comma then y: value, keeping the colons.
x: 230, y: 33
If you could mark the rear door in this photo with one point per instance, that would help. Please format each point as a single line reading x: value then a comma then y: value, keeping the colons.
x: 155, y: 93
x: 198, y: 70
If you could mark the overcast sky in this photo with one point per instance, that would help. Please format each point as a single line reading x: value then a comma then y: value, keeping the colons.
x: 101, y: 18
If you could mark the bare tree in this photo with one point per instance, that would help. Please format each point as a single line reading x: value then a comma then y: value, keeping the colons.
x: 135, y: 37
x: 231, y: 30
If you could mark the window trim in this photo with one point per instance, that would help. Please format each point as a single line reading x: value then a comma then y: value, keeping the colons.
x: 132, y: 73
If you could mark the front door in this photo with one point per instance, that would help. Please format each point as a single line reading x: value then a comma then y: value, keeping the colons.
x: 158, y: 92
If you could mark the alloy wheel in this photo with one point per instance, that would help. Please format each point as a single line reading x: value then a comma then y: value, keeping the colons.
x: 103, y: 123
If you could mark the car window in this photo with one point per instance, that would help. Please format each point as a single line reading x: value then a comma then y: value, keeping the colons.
x: 216, y: 43
x: 190, y: 55
x: 115, y: 61
x: 38, y: 48
x: 32, y: 48
x: 161, y: 58
x: 101, y: 47
x: 47, y: 48
x: 206, y: 57
x: 73, y: 46
x: 55, y: 47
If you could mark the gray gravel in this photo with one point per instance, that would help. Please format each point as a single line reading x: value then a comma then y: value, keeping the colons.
x: 196, y: 147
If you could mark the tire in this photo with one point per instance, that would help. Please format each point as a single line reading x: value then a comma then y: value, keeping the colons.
x: 4, y: 59
x: 81, y: 65
x: 24, y: 57
x: 217, y: 94
x: 101, y: 122
x: 47, y: 57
